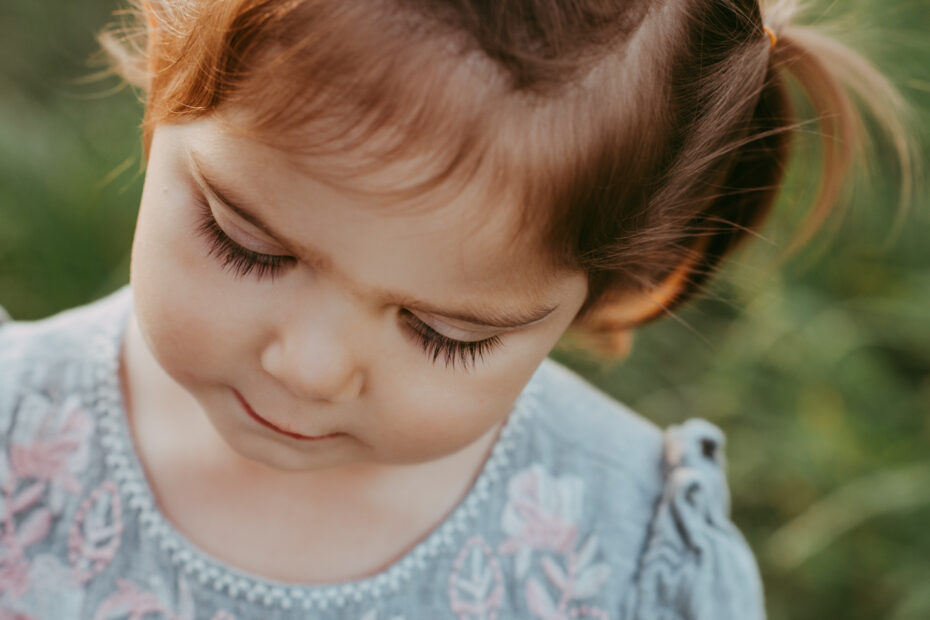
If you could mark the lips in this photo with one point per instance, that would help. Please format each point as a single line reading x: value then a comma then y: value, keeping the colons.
x: 278, y: 429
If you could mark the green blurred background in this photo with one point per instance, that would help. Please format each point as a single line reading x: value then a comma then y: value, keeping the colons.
x: 818, y: 370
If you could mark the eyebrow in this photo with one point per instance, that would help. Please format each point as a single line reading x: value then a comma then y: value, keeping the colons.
x: 496, y: 317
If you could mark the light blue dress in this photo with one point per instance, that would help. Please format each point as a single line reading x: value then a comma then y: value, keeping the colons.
x: 583, y: 510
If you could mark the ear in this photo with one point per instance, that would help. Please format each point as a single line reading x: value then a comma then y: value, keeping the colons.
x: 630, y: 310
x: 609, y: 326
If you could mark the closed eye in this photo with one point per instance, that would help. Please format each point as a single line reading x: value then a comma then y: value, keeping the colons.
x: 240, y: 260
x: 435, y: 344
x: 243, y: 262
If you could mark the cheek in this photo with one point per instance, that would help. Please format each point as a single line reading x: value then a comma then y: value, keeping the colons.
x: 178, y: 304
x: 437, y: 417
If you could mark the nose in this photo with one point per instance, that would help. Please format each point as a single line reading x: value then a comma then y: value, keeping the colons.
x: 311, y: 361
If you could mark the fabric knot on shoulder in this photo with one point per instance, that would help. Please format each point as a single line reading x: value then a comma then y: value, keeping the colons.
x: 696, y: 565
x: 695, y: 466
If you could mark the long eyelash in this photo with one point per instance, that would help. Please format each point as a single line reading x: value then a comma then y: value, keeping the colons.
x: 231, y: 255
x: 243, y: 261
x: 435, y: 344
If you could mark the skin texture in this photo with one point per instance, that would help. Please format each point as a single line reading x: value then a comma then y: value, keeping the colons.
x: 317, y: 350
x: 311, y: 350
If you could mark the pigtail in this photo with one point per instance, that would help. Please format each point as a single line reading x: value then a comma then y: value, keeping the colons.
x: 830, y: 76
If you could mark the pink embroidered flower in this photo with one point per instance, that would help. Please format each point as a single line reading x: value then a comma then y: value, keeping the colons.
x: 47, y: 456
x: 95, y: 532
x: 14, y: 538
x: 543, y: 514
x: 14, y: 615
x: 542, y: 511
x: 14, y: 572
x: 47, y: 449
x: 130, y: 602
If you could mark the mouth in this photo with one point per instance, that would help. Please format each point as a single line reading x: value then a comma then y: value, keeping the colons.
x: 278, y: 429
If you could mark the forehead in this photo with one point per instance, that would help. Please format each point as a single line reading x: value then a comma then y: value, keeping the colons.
x: 455, y: 240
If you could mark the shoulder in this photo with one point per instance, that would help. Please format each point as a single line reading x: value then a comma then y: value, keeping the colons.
x: 663, y: 489
x: 68, y: 328
x: 696, y: 563
x: 51, y: 358
x: 597, y: 429
x: 564, y: 392
x: 66, y: 333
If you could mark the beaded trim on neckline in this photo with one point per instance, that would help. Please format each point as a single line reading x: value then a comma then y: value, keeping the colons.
x: 123, y: 464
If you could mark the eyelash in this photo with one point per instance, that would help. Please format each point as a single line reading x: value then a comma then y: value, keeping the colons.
x: 244, y: 261
x: 435, y: 344
x: 241, y: 260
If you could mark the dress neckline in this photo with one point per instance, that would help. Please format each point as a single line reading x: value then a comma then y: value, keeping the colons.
x: 124, y: 465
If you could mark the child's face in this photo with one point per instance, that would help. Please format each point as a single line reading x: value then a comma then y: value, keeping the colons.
x: 329, y: 345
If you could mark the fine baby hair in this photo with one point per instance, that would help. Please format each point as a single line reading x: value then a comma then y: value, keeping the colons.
x: 642, y: 141
x: 199, y: 444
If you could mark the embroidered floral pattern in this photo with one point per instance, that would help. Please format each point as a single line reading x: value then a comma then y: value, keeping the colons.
x: 542, y: 512
x: 95, y: 532
x: 540, y: 562
x: 129, y: 602
x: 14, y: 567
x: 15, y: 615
x: 46, y: 454
x: 124, y: 469
x: 476, y: 586
x: 541, y: 519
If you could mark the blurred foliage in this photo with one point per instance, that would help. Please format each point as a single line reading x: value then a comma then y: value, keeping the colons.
x: 818, y: 370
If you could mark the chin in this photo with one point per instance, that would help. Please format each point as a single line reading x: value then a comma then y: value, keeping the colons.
x: 271, y: 454
x: 279, y: 463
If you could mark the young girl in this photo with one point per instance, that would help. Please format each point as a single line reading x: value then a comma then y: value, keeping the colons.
x: 325, y: 393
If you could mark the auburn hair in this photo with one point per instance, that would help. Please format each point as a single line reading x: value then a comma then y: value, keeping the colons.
x: 643, y: 140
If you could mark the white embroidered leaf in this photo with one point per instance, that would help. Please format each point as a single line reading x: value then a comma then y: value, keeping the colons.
x: 539, y: 601
x: 483, y: 585
x: 476, y: 583
x: 591, y: 580
x: 479, y: 581
x: 185, y: 601
x: 480, y: 574
x: 523, y: 561
x: 95, y: 531
x: 554, y: 572
x: 587, y: 552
